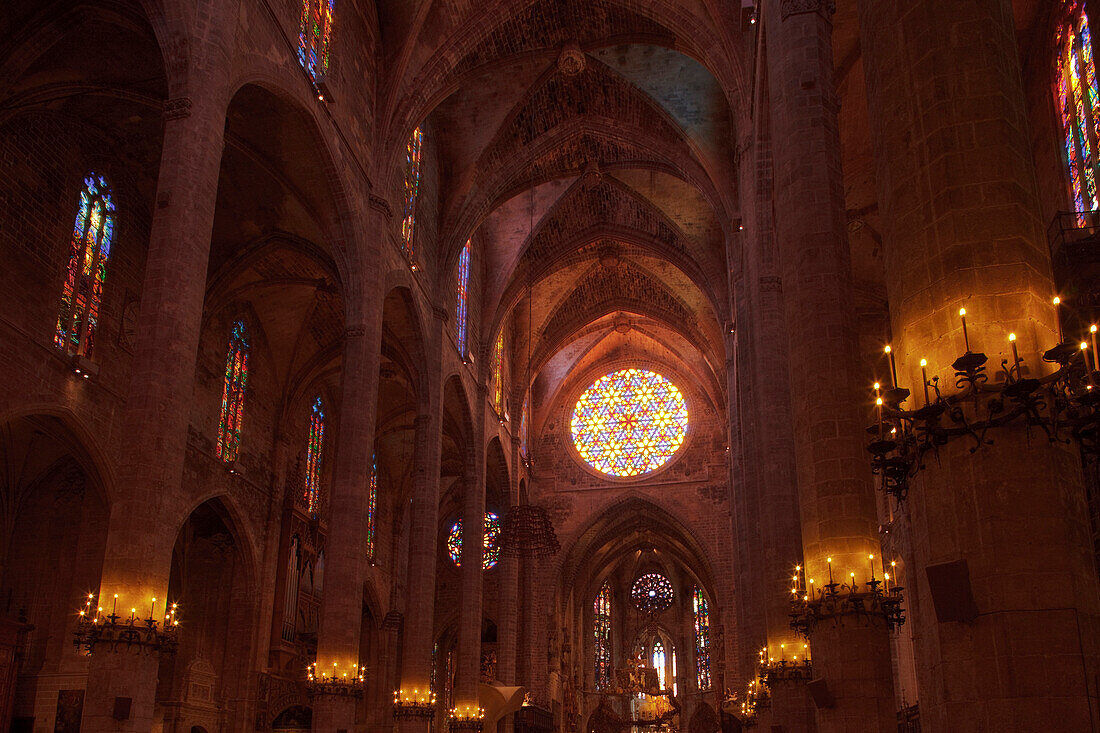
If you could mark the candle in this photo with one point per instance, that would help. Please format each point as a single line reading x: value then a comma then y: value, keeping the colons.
x: 878, y: 403
x: 829, y: 560
x: 1088, y: 364
x: 966, y: 338
x: 1015, y: 354
x: 886, y: 587
x: 1058, y: 317
x: 152, y: 607
x: 872, y: 559
x: 114, y: 605
x: 1095, y: 354
x: 893, y: 366
x: 811, y: 589
x: 924, y: 378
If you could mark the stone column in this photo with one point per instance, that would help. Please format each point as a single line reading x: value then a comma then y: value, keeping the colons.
x: 349, y: 504
x: 766, y: 397
x: 468, y: 672
x: 419, y: 623
x: 836, y: 496
x: 142, y: 530
x: 961, y: 217
x: 508, y: 575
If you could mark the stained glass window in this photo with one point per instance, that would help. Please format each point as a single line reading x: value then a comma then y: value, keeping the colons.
x: 461, y: 305
x: 88, y: 253
x: 313, y: 455
x: 490, y: 536
x: 315, y: 35
x: 702, y: 639
x: 524, y: 426
x: 601, y: 626
x: 657, y: 661
x: 652, y: 593
x: 1079, y: 104
x: 497, y: 370
x: 372, y: 504
x: 236, y: 379
x: 629, y: 422
x: 412, y: 189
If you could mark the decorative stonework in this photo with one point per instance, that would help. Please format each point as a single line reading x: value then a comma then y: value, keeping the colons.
x: 177, y: 109
x: 380, y: 205
x: 572, y: 60
x: 797, y: 7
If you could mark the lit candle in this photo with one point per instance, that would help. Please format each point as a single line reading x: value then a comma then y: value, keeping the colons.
x: 829, y: 560
x: 893, y: 366
x: 1015, y: 354
x: 1088, y: 364
x: 966, y: 337
x: 886, y: 587
x: 1095, y: 354
x: 152, y: 607
x: 114, y: 605
x: 878, y: 404
x: 811, y: 589
x: 871, y: 558
x: 1058, y: 318
x: 924, y: 379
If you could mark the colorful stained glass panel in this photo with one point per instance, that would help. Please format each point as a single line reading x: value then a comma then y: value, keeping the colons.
x: 372, y: 505
x: 629, y: 422
x: 461, y: 306
x: 314, y: 450
x: 89, y: 251
x: 702, y: 639
x: 236, y: 380
x: 601, y: 628
x: 490, y: 537
x: 412, y: 189
x: 1078, y: 101
x: 315, y: 35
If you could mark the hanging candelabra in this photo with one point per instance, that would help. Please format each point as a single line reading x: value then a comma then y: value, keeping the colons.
x: 467, y: 718
x: 336, y: 683
x: 871, y: 602
x: 773, y: 671
x: 95, y: 628
x: 413, y: 704
x: 1064, y: 405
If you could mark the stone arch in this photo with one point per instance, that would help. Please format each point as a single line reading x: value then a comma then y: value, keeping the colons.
x: 704, y: 720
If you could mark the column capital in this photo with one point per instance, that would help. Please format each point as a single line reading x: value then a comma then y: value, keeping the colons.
x: 177, y: 108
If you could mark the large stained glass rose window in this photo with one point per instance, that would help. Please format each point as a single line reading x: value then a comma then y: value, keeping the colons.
x: 629, y: 422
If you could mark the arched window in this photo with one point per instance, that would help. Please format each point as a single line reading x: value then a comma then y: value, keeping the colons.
x: 315, y: 35
x: 657, y: 661
x: 601, y: 627
x: 1079, y: 104
x: 236, y: 378
x: 497, y: 371
x: 490, y: 535
x: 702, y: 640
x: 461, y: 305
x: 412, y: 190
x: 314, y: 450
x: 372, y: 504
x: 88, y: 254
x: 524, y: 426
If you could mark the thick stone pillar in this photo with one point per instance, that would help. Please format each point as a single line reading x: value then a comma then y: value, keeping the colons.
x: 468, y: 671
x: 836, y: 496
x: 419, y: 623
x: 961, y: 217
x: 141, y: 531
x: 349, y: 504
x: 766, y: 401
x: 508, y: 604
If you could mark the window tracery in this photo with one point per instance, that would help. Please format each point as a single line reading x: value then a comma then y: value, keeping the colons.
x: 89, y: 251
x: 1078, y: 103
x: 236, y: 380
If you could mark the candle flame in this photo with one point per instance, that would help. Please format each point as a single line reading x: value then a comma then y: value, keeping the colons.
x: 1011, y: 337
x: 1092, y: 328
x: 1084, y: 346
x: 877, y: 385
x: 924, y: 362
x: 878, y: 401
x: 962, y: 311
x: 887, y: 349
x: 1057, y: 300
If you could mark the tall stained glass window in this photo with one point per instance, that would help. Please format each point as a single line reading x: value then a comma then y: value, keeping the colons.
x: 497, y: 371
x: 315, y: 35
x: 236, y: 379
x: 1079, y: 103
x: 702, y: 639
x: 88, y: 253
x: 657, y: 661
x: 412, y: 189
x: 372, y: 504
x: 461, y: 306
x: 314, y: 450
x: 524, y: 426
x: 490, y: 539
x: 629, y: 422
x: 601, y: 627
